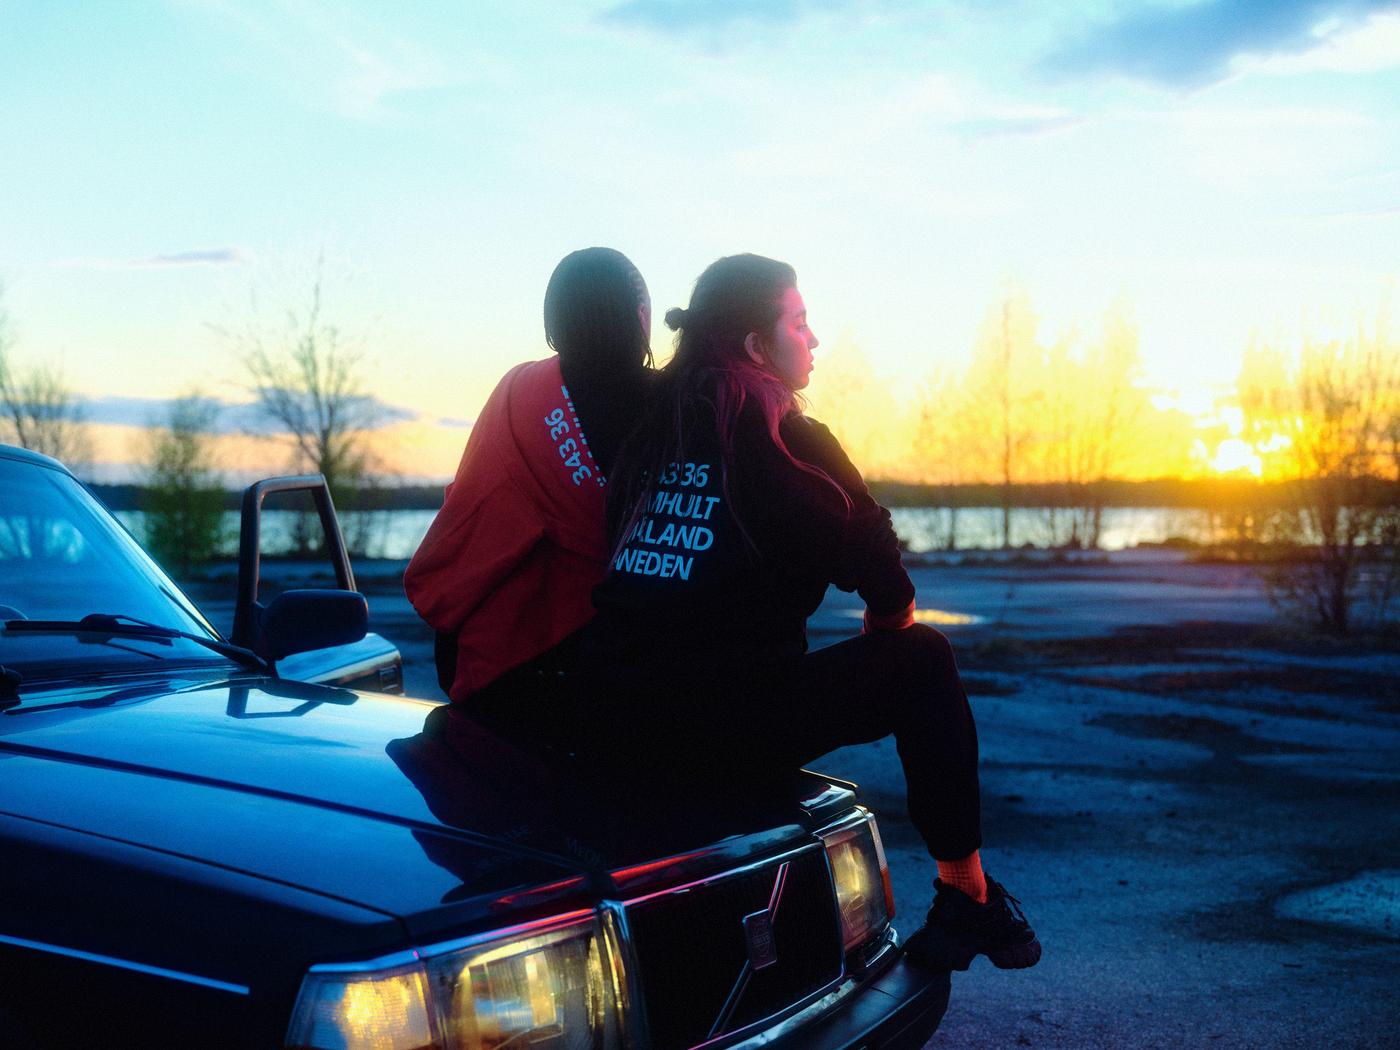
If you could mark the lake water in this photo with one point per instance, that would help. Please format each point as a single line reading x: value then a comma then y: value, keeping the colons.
x: 397, y: 533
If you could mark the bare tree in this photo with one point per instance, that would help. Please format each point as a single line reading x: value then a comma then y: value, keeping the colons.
x: 307, y: 378
x: 1089, y: 419
x: 38, y: 409
x: 945, y: 447
x: 1328, y: 421
x: 1054, y: 434
x: 1117, y: 408
x: 1005, y: 354
x: 999, y: 396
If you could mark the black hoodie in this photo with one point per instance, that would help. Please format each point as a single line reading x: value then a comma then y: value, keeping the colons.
x: 723, y: 572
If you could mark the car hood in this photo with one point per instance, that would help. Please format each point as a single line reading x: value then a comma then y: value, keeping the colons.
x: 281, y: 780
x: 390, y: 803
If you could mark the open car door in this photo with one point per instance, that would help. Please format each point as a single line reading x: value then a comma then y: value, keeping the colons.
x: 311, y: 635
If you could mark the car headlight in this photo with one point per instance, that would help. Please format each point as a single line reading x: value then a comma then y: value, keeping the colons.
x: 554, y: 985
x: 861, y: 876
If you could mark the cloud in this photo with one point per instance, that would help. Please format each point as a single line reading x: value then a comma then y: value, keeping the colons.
x: 372, y: 79
x: 163, y: 261
x: 198, y: 257
x: 1194, y: 45
x: 1371, y: 47
x: 230, y: 417
x: 455, y: 423
x: 134, y: 411
x: 690, y: 16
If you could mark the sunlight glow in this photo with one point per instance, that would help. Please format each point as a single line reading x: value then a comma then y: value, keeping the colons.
x: 1233, y: 456
x: 943, y: 618
x: 938, y: 617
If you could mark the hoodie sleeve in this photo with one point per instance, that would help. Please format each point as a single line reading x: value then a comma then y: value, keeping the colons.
x: 804, y: 517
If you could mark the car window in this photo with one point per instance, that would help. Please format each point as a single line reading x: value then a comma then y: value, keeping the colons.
x: 62, y: 556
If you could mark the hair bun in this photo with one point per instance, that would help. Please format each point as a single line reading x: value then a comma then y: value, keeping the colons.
x: 676, y: 318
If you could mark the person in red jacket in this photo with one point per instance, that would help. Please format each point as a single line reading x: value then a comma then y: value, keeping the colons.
x: 505, y: 572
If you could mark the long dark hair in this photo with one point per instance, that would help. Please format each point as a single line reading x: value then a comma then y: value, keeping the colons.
x: 735, y: 296
x: 590, y: 311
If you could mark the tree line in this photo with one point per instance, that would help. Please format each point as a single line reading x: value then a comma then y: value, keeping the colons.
x: 1068, y: 415
x: 1070, y: 420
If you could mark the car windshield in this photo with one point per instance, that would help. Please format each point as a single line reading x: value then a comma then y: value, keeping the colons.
x: 62, y: 556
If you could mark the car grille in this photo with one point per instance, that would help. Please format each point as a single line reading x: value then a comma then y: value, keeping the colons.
x: 705, y: 972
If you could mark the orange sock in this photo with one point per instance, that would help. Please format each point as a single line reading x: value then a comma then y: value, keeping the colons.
x: 965, y: 875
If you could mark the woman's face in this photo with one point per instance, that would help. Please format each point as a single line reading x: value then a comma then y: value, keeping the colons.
x: 788, y: 351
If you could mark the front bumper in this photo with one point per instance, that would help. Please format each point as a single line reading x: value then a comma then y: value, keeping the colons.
x: 896, y: 1006
x: 899, y: 1010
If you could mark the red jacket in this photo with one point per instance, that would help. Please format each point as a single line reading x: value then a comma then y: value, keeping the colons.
x: 510, y: 561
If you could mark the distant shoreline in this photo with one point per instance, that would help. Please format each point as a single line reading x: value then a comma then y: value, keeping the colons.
x: 1220, y: 494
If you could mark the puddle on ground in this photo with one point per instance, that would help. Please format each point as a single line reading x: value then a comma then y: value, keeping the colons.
x: 937, y: 617
x: 1222, y: 738
x: 1315, y: 681
x: 1369, y: 902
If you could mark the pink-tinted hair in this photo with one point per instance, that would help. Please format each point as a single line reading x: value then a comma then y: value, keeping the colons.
x: 735, y: 295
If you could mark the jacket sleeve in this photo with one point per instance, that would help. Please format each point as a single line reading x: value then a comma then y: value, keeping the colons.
x: 476, y: 541
x: 843, y: 534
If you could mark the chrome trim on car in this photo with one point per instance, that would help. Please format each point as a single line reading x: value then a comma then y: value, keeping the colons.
x: 834, y: 794
x: 407, y: 957
x: 412, y: 956
x: 126, y: 964
x: 728, y: 873
x: 546, y: 925
x: 636, y: 1031
x: 856, y: 817
x: 779, y: 1019
x: 832, y: 1000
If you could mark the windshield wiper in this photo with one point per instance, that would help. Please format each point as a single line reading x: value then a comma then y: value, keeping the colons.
x: 121, y: 625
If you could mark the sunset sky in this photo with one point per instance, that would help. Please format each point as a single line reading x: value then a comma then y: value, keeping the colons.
x: 1220, y: 168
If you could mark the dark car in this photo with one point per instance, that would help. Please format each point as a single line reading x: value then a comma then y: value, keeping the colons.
x: 198, y: 849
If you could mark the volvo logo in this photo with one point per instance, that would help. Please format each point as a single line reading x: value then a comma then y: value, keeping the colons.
x: 758, y: 927
x: 758, y: 933
x: 763, y: 949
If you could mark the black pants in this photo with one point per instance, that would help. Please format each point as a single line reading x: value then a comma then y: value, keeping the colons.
x: 689, y: 722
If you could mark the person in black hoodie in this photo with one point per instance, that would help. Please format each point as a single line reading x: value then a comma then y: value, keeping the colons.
x: 731, y: 512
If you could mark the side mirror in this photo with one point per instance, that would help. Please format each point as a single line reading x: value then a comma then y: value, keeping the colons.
x: 249, y: 617
x: 300, y: 620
